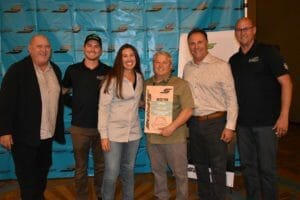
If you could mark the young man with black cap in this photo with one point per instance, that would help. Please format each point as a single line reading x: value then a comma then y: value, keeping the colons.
x: 83, y: 80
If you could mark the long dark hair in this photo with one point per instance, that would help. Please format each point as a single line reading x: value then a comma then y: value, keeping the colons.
x: 118, y: 70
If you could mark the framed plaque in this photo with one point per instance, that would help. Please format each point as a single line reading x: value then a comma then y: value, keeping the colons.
x: 159, y: 108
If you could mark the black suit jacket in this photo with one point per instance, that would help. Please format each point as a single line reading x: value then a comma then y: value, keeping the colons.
x: 21, y: 104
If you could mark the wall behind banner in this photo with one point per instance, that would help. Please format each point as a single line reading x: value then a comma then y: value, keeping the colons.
x: 150, y: 25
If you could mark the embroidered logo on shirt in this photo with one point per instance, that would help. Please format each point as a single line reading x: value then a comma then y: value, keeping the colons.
x: 100, y: 77
x: 101, y: 80
x: 254, y: 59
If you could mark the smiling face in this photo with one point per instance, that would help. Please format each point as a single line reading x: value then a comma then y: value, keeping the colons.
x: 162, y: 66
x: 40, y: 50
x: 128, y: 59
x: 92, y: 50
x: 198, y: 46
x: 245, y: 33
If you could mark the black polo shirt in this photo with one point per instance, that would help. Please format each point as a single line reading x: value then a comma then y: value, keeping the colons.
x: 258, y: 90
x: 85, y: 85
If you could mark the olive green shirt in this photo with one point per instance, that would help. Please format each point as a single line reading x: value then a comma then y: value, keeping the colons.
x: 182, y: 99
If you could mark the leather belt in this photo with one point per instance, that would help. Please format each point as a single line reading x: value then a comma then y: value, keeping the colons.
x: 214, y: 115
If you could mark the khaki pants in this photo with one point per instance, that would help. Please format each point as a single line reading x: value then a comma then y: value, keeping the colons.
x: 83, y: 140
x: 174, y: 156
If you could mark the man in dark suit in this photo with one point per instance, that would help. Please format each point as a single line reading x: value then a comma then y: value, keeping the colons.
x: 31, y: 116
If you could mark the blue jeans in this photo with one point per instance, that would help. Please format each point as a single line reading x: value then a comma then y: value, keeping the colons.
x: 258, y: 153
x: 119, y: 160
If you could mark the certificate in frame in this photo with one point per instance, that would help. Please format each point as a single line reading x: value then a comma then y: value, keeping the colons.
x: 159, y: 108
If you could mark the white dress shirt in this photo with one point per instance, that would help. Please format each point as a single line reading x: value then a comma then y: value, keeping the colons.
x: 213, y: 88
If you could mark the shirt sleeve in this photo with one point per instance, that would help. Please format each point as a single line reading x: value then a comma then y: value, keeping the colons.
x: 8, y: 100
x: 67, y: 81
x: 275, y: 62
x: 230, y: 98
x: 186, y: 97
x: 105, y: 101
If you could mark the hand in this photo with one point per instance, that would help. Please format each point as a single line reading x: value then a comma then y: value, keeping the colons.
x: 281, y: 126
x: 105, y: 144
x: 142, y: 104
x: 227, y: 135
x: 167, y: 131
x: 6, y: 141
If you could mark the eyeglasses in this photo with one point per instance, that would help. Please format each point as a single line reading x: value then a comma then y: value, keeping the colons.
x: 243, y: 29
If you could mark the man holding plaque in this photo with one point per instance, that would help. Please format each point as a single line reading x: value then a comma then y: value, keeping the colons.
x: 214, y: 116
x: 165, y: 120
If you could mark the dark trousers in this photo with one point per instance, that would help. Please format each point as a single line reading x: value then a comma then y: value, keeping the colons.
x: 84, y: 140
x: 258, y: 153
x: 208, y: 151
x: 32, y: 165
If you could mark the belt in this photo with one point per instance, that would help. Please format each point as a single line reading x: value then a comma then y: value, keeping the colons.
x: 214, y: 115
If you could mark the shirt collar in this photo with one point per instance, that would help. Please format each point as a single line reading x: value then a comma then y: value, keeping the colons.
x: 37, y: 68
x: 162, y: 82
x: 85, y: 67
x: 207, y: 59
x: 251, y: 50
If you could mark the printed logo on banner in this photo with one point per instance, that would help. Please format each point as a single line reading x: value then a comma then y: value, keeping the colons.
x: 26, y: 29
x: 14, y: 9
x: 202, y: 6
x: 62, y: 9
x: 63, y: 49
x: 121, y: 28
x: 110, y: 8
x: 155, y: 8
x: 16, y: 50
x: 168, y: 27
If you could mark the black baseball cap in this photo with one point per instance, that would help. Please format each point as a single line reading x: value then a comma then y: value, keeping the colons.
x: 93, y: 36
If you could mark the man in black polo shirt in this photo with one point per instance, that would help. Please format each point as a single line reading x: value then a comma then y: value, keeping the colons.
x: 264, y: 92
x: 83, y: 80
